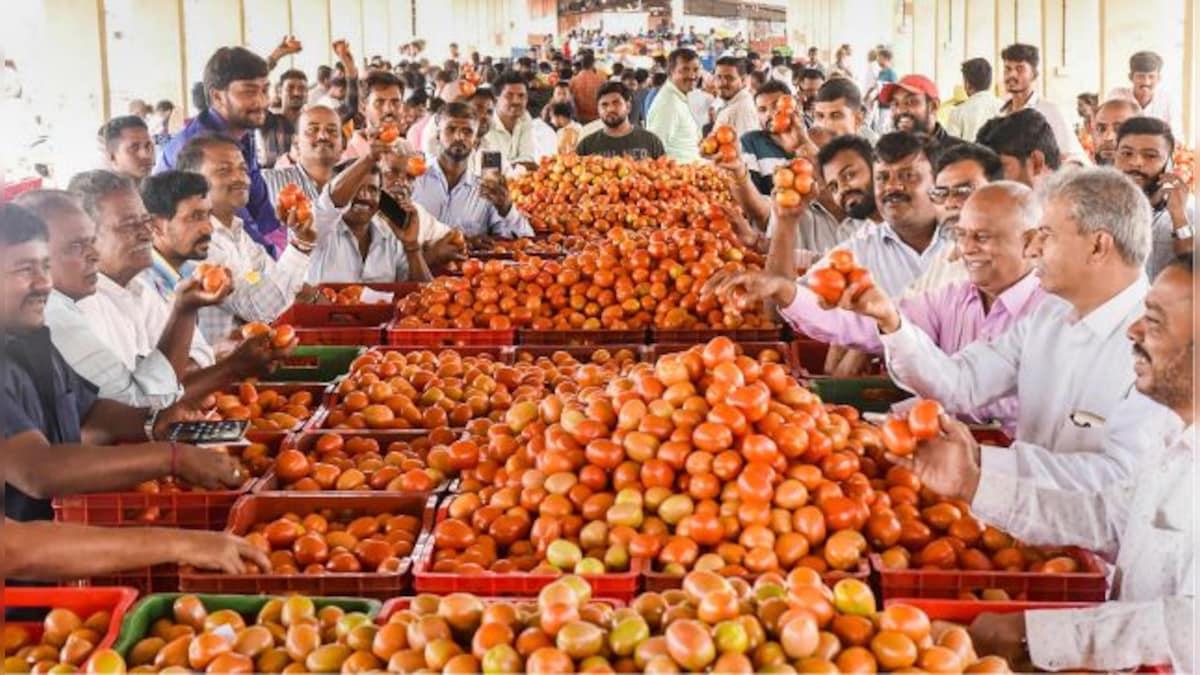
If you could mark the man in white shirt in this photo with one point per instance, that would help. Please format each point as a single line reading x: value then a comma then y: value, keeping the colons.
x: 965, y: 119
x: 1144, y: 524
x: 263, y: 287
x: 512, y: 126
x: 670, y: 117
x: 1068, y: 361
x: 738, y: 110
x: 1020, y: 81
x: 1145, y: 74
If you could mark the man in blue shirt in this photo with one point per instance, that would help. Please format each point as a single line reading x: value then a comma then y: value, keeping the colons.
x: 235, y: 80
x: 480, y: 207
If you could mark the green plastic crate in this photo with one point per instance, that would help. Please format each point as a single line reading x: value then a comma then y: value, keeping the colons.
x: 868, y: 394
x: 315, y: 363
x: 142, y: 616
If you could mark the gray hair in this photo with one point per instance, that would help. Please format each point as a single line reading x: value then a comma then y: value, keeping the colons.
x: 1102, y: 198
x: 1024, y: 200
x: 47, y: 204
x: 93, y: 186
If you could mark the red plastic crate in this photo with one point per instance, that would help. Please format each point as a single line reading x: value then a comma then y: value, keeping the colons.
x: 398, y: 289
x: 701, y: 335
x: 82, y: 601
x: 448, y: 337
x: 499, y: 353
x: 1087, y: 586
x: 400, y: 604
x: 622, y: 586
x: 658, y: 582
x: 752, y: 349
x: 581, y: 337
x: 581, y: 353
x: 158, y: 579
x: 337, y: 324
x: 304, y: 442
x: 187, y: 510
x: 254, y: 509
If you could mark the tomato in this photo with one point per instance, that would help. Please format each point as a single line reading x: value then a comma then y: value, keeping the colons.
x: 898, y: 438
x: 827, y: 283
x: 924, y: 419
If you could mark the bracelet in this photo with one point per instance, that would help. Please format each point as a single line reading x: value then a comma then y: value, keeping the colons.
x: 174, y: 458
x: 302, y: 246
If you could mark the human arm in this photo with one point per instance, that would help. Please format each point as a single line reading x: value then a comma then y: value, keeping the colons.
x: 263, y: 287
x: 287, y: 46
x: 175, y: 343
x: 45, y: 550
x: 756, y: 205
x: 505, y: 221
x: 1115, y: 636
x: 1177, y: 195
x: 253, y: 357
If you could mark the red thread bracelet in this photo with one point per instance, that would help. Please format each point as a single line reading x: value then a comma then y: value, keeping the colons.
x: 174, y: 457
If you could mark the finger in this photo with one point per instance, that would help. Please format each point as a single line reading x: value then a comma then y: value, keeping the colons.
x: 906, y: 462
x: 254, y: 555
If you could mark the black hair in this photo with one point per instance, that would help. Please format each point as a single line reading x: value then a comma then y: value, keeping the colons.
x: 230, y: 64
x: 679, y: 55
x: 199, y: 97
x: 561, y: 110
x: 618, y: 68
x: 191, y: 155
x: 324, y: 73
x: 977, y: 73
x: 418, y: 97
x: 811, y: 74
x: 459, y: 110
x: 1145, y: 62
x: 164, y: 106
x: 735, y: 62
x: 884, y: 52
x: 659, y: 79
x: 562, y: 84
x: 1021, y: 53
x: 895, y: 146
x: 752, y: 56
x: 381, y: 78
x: 1019, y: 134
x: 847, y: 142
x: 93, y: 186
x: 982, y: 155
x: 484, y: 92
x: 162, y: 192
x: 773, y: 87
x: 111, y: 132
x: 1184, y: 262
x: 507, y: 78
x: 19, y: 225
x: 840, y: 88
x: 614, y: 88
x: 292, y: 74
x: 1147, y: 126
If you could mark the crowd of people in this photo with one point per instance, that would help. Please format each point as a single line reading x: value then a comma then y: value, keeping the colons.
x: 1017, y: 277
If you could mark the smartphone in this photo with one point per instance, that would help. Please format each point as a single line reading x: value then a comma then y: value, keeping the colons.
x: 208, y: 432
x: 391, y: 210
x: 491, y: 160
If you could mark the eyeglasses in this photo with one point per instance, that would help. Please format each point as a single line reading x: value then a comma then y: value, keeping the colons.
x: 957, y: 235
x: 939, y: 195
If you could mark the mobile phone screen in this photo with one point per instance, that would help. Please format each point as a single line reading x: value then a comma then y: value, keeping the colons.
x: 391, y: 209
x: 491, y: 160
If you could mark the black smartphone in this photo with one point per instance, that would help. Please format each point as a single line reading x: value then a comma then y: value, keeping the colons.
x: 491, y: 160
x: 209, y: 432
x: 391, y: 210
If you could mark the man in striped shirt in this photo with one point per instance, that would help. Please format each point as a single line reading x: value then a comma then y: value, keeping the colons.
x: 320, y: 144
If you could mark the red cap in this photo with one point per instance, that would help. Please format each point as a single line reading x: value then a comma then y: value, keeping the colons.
x: 917, y: 84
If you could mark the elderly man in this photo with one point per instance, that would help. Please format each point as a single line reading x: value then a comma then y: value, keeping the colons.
x: 1145, y: 524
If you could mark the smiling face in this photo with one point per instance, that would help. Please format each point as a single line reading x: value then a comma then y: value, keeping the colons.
x: 365, y: 204
x: 123, y: 236
x: 320, y: 138
x: 849, y: 180
x: 955, y: 182
x: 228, y: 182
x: 989, y: 236
x: 901, y: 191
x: 73, y: 255
x: 1018, y: 76
x: 686, y: 74
x: 1164, y: 347
x: 1144, y: 85
x: 26, y: 284
x: 244, y: 103
x: 729, y: 81
x: 188, y: 234
x: 913, y: 112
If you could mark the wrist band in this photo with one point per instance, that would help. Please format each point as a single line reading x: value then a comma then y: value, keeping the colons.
x: 174, y: 458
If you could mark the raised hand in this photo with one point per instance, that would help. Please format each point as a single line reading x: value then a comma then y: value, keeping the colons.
x: 190, y: 294
x: 949, y: 464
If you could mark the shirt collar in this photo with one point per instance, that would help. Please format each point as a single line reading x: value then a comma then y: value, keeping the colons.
x: 60, y: 299
x: 107, y: 284
x: 886, y: 231
x: 1109, y: 317
x: 1034, y: 99
x: 435, y: 170
x: 1015, y: 297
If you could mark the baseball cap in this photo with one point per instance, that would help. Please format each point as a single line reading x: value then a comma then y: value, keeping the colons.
x: 917, y: 84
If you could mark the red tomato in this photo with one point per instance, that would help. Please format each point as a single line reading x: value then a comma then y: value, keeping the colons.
x: 898, y: 438
x: 924, y: 419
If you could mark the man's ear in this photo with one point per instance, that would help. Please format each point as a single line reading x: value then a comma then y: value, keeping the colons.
x: 1037, y: 163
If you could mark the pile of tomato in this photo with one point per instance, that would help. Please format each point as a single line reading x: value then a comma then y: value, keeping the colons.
x: 265, y: 408
x: 329, y: 541
x: 356, y: 462
x: 67, y: 644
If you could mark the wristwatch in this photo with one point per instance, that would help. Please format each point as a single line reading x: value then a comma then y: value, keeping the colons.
x: 1185, y: 232
x: 148, y: 425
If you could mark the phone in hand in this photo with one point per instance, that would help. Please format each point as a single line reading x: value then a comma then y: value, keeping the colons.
x: 390, y: 208
x: 491, y: 160
x: 208, y: 432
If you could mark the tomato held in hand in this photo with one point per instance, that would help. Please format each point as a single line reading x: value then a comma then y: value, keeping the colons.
x: 389, y: 133
x: 898, y: 438
x: 827, y: 283
x: 414, y: 166
x: 924, y: 419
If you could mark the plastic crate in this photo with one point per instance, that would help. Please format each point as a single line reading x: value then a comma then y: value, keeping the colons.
x: 868, y: 394
x: 499, y: 353
x: 157, y: 579
x: 138, y: 621
x: 365, y: 325
x: 658, y: 582
x: 622, y: 586
x: 1089, y: 585
x: 810, y: 354
x: 752, y: 349
x: 314, y: 363
x: 702, y: 335
x: 400, y: 604
x: 448, y: 337
x: 581, y: 337
x: 83, y: 602
x: 269, y: 485
x: 581, y: 353
x: 398, y: 289
x: 254, y: 509
x: 190, y: 510
x: 991, y: 436
x: 320, y: 394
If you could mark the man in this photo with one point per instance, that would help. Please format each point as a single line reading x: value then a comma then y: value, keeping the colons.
x: 320, y: 90
x: 1025, y: 142
x: 235, y: 81
x: 319, y: 144
x: 738, y: 109
x: 807, y: 85
x: 1110, y: 115
x: 343, y: 93
x: 914, y: 103
x: 477, y: 206
x: 967, y: 117
x: 1144, y: 149
x: 619, y: 137
x: 275, y: 136
x: 764, y: 151
x: 814, y: 60
x: 1067, y: 362
x: 128, y: 147
x: 637, y: 109
x: 263, y: 287
x: 384, y: 105
x: 701, y: 100
x: 1144, y: 524
x: 990, y: 236
x: 511, y: 130
x: 1020, y: 76
x: 1145, y: 74
x: 161, y: 131
x: 584, y: 86
x: 839, y: 108
x: 669, y: 116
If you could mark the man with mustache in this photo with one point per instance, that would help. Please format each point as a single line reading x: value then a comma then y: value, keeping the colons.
x: 914, y: 103
x: 1144, y: 149
x: 128, y: 146
x: 263, y: 287
x: 512, y: 126
x: 807, y: 85
x: 669, y: 116
x: 1145, y: 74
x: 839, y: 108
x: 476, y: 206
x: 238, y: 91
x: 1020, y: 81
x: 738, y: 110
x: 999, y: 291
x: 1109, y: 117
x: 319, y: 144
x: 384, y: 106
x: 619, y: 137
x: 275, y: 136
x: 1144, y: 524
x: 1025, y: 142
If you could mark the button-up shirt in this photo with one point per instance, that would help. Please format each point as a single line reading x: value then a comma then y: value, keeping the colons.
x: 518, y: 145
x: 820, y: 232
x: 1066, y: 371
x: 670, y: 118
x: 965, y: 119
x: 1146, y: 525
x: 1162, y: 243
x: 941, y: 271
x: 1069, y: 148
x: 893, y: 263
x: 739, y: 112
x: 278, y: 178
x: 161, y: 279
x: 147, y: 380
x: 952, y: 316
x: 259, y: 212
x: 40, y: 393
x: 274, y: 138
x: 464, y: 208
x: 262, y: 287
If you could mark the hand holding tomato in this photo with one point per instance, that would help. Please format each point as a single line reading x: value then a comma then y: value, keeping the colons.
x: 213, y: 550
x: 191, y: 294
x: 209, y: 468
x: 948, y: 464
x: 749, y: 288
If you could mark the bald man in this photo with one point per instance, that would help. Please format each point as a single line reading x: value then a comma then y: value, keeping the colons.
x: 990, y: 237
x: 1109, y: 117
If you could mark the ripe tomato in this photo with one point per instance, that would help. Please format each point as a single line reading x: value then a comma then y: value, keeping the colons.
x: 924, y: 419
x: 827, y: 283
x: 898, y: 438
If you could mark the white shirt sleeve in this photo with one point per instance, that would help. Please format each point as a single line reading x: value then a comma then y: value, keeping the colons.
x: 275, y: 288
x: 152, y: 382
x: 432, y: 229
x: 1115, y: 636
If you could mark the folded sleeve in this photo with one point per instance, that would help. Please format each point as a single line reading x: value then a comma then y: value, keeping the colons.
x: 1115, y: 636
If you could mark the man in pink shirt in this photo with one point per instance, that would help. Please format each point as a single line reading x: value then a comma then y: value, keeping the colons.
x: 990, y: 235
